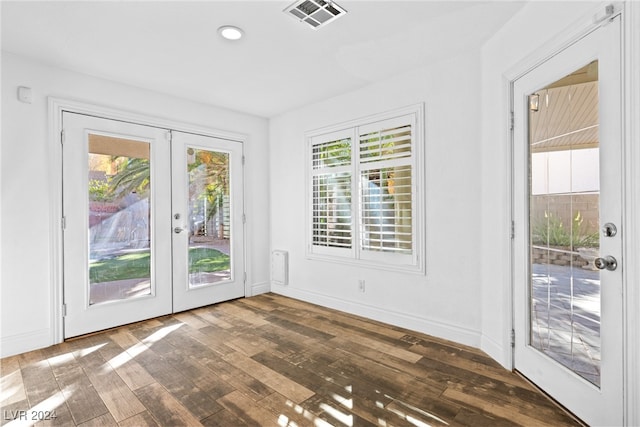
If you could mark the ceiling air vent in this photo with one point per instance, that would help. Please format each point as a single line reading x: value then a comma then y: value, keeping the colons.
x: 316, y: 13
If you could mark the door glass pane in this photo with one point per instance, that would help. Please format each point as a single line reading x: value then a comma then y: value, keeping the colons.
x: 119, y: 219
x: 209, y: 217
x: 564, y: 222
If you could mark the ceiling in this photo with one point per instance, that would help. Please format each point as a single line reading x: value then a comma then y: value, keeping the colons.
x: 280, y: 64
x: 566, y: 118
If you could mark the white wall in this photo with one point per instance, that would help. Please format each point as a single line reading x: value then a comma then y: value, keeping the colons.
x: 27, y: 273
x: 445, y: 302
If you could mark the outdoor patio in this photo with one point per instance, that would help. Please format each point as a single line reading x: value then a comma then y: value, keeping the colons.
x: 566, y: 317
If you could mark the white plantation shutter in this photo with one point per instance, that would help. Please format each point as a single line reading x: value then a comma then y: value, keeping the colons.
x: 386, y: 188
x: 332, y: 222
x: 364, y: 197
x: 385, y: 144
x: 386, y: 210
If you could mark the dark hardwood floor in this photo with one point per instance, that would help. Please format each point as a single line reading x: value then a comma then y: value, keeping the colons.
x: 266, y: 361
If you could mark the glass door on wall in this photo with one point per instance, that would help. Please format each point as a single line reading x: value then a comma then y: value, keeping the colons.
x: 117, y: 262
x: 567, y: 211
x: 207, y: 220
x: 153, y: 222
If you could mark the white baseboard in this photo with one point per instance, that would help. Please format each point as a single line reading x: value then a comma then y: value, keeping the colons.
x: 22, y: 343
x: 497, y: 351
x: 421, y: 324
x: 260, y: 288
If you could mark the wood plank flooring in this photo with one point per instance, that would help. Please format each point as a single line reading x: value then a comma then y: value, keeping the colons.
x: 266, y: 361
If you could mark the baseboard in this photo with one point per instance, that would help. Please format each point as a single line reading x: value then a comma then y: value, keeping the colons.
x: 22, y: 343
x: 496, y: 351
x: 260, y: 288
x: 421, y: 324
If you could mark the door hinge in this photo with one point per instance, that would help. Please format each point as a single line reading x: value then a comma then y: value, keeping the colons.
x: 64, y: 223
x: 243, y: 160
x: 244, y: 218
x: 513, y: 229
x: 244, y: 278
x: 167, y: 136
x: 62, y: 137
x: 513, y: 338
x: 511, y: 121
x: 64, y: 310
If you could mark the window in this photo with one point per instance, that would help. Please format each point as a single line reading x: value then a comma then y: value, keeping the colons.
x: 331, y: 189
x: 365, y: 192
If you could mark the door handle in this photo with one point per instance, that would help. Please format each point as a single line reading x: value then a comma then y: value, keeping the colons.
x: 178, y: 230
x: 608, y: 262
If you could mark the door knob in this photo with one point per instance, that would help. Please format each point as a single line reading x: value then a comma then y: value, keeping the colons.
x: 178, y: 230
x: 608, y: 262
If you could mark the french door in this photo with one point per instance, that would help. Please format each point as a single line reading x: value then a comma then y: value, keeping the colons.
x: 568, y: 236
x: 152, y: 222
x: 207, y: 220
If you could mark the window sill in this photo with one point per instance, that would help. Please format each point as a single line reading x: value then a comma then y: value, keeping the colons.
x: 417, y: 269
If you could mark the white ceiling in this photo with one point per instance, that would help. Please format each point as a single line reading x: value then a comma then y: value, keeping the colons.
x: 280, y: 64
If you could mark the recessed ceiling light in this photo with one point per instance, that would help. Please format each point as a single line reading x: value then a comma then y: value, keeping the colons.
x: 230, y: 32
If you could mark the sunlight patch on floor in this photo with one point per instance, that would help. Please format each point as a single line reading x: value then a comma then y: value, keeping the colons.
x: 347, y: 403
x: 338, y: 415
x: 158, y: 335
x: 125, y: 356
x: 11, y: 388
x: 133, y: 351
x: 283, y: 421
x: 418, y: 410
x: 47, y: 405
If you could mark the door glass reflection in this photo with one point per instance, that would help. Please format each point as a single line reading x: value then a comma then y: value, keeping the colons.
x: 564, y: 222
x: 119, y: 219
x: 209, y: 217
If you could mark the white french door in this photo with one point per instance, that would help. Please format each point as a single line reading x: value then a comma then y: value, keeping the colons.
x: 116, y: 205
x: 152, y: 222
x: 567, y: 215
x: 207, y: 220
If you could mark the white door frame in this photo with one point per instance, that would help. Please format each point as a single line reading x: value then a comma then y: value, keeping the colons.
x: 631, y: 149
x: 56, y: 106
x: 630, y: 12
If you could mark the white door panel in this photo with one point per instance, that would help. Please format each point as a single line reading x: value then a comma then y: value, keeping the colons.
x: 567, y: 186
x: 117, y: 259
x: 208, y: 230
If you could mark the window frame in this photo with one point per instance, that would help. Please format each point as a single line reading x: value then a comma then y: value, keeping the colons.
x: 415, y: 261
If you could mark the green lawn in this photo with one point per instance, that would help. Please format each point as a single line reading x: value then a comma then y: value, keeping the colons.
x: 137, y: 265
